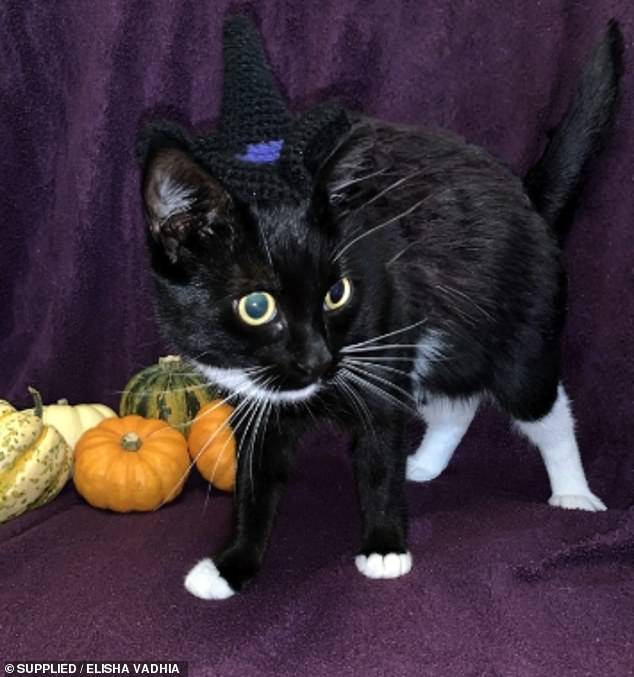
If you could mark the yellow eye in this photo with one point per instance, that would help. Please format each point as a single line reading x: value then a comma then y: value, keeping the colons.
x: 257, y: 308
x: 338, y: 295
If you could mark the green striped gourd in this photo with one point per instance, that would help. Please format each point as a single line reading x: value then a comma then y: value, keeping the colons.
x: 35, y: 460
x: 170, y: 390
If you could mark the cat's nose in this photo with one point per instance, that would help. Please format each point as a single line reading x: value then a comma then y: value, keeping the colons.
x: 313, y: 368
x: 314, y: 364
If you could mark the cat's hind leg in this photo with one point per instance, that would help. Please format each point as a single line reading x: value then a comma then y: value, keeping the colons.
x: 532, y: 394
x: 447, y: 421
x: 554, y: 436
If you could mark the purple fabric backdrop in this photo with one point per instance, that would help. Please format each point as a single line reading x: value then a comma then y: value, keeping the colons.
x: 502, y: 584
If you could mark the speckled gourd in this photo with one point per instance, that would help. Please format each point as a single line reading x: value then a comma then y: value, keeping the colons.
x: 35, y: 460
x: 170, y: 390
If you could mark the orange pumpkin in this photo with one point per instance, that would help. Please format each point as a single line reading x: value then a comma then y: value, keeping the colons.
x: 212, y: 445
x: 131, y: 463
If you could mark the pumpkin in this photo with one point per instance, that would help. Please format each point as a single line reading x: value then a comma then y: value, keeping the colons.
x: 35, y: 460
x: 169, y: 390
x: 73, y: 421
x: 131, y: 464
x: 212, y: 445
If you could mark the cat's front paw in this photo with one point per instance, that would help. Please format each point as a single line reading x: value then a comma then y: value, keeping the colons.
x: 392, y: 565
x: 204, y: 581
x: 418, y: 470
x: 577, y: 502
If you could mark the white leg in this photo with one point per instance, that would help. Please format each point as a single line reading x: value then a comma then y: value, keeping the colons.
x: 447, y: 421
x: 204, y: 581
x: 554, y: 436
x: 392, y: 565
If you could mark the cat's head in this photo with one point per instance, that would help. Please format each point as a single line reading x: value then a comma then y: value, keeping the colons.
x: 251, y: 292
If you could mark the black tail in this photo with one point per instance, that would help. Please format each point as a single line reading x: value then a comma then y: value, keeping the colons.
x: 554, y: 182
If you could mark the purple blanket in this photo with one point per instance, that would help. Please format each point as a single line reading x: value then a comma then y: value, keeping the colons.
x: 502, y: 584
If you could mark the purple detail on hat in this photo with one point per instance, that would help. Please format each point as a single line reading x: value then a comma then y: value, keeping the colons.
x: 265, y: 152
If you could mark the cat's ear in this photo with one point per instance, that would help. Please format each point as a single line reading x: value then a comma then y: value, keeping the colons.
x: 185, y: 206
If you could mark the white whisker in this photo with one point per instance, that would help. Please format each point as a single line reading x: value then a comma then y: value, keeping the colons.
x: 370, y: 363
x: 254, y: 403
x: 266, y: 422
x: 183, y: 477
x: 391, y: 187
x: 235, y: 425
x: 375, y: 228
x: 378, y: 358
x: 357, y: 402
x: 368, y: 374
x: 379, y: 392
x: 397, y: 256
x: 382, y: 336
x: 225, y: 400
x: 228, y: 422
x: 340, y: 186
x: 368, y: 349
x: 345, y: 248
x: 262, y: 406
x: 451, y: 290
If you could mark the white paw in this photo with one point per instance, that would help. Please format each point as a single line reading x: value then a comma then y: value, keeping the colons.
x: 392, y: 565
x: 205, y: 582
x: 577, y: 502
x: 419, y: 471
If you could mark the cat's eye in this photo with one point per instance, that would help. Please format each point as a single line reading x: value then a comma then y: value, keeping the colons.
x: 257, y: 308
x: 338, y: 295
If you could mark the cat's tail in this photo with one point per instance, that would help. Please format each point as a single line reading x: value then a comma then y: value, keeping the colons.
x: 554, y: 182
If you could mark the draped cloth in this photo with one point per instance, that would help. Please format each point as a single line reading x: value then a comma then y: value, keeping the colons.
x: 502, y: 584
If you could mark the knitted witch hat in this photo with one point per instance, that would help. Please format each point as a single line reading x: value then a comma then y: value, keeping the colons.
x: 252, y: 106
x: 260, y: 151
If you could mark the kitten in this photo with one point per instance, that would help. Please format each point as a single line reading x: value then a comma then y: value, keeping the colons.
x: 420, y: 276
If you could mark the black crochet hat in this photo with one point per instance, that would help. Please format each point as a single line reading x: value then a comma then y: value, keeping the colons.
x: 260, y: 151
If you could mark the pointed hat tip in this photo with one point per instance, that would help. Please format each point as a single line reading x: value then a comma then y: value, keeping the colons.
x: 240, y: 24
x: 253, y: 109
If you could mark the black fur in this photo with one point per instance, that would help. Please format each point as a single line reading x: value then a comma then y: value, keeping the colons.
x: 554, y: 182
x: 430, y: 231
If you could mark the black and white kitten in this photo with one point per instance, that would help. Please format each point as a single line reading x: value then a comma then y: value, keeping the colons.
x: 422, y: 275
